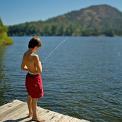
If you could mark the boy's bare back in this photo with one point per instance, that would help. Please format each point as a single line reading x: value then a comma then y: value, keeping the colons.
x: 31, y: 62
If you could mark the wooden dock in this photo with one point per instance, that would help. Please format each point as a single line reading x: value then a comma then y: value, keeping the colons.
x: 17, y: 111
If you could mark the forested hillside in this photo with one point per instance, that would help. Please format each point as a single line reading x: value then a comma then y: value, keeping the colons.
x: 94, y: 20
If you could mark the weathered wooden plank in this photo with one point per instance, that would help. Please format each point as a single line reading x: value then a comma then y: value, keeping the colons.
x: 56, y: 117
x: 19, y: 114
x: 65, y: 118
x: 46, y: 116
x: 8, y: 106
x: 14, y: 114
x: 10, y: 103
x: 10, y: 111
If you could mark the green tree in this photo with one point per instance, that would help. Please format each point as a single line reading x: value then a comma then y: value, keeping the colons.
x: 4, y: 39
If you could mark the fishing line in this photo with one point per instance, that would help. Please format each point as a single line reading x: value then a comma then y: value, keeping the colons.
x: 54, y: 49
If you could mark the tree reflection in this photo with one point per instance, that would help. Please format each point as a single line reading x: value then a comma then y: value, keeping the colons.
x: 3, y: 83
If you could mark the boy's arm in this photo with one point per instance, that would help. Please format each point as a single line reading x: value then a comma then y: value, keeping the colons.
x: 38, y: 64
x: 23, y: 65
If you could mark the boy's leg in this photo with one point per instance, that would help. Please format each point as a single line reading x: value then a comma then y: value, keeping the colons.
x: 29, y: 102
x: 34, y: 108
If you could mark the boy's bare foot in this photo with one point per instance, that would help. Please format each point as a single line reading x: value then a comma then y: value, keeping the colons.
x: 30, y: 115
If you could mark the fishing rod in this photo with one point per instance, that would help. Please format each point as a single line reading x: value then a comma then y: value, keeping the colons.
x: 54, y: 50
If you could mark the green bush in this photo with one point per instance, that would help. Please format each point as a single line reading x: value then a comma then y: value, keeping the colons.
x: 4, y: 39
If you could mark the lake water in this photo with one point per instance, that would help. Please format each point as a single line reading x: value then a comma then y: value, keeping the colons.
x: 82, y: 78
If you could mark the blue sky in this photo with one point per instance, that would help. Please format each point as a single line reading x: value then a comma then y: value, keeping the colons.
x: 19, y: 11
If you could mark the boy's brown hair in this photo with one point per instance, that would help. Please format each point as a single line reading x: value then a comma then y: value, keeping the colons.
x: 35, y: 41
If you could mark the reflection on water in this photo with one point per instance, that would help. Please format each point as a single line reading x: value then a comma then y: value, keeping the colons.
x: 3, y: 79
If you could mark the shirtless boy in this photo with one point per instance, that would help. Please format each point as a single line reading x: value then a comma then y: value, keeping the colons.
x: 33, y: 82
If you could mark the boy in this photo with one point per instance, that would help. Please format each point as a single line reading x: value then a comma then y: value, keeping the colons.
x: 33, y: 82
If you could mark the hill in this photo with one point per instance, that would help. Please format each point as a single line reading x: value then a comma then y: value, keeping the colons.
x: 4, y: 39
x: 93, y: 20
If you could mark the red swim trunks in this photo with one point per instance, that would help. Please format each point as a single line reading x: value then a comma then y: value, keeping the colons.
x: 34, y: 85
